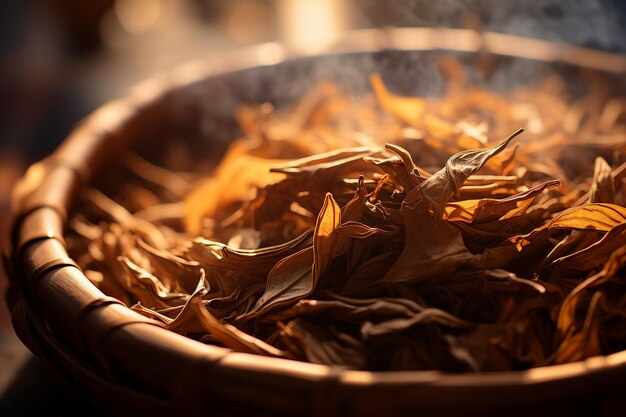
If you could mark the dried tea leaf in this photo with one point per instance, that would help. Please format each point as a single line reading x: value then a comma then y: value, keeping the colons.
x: 584, y: 343
x: 602, y: 188
x: 297, y: 276
x: 447, y: 182
x: 489, y: 209
x: 566, y: 314
x: 229, y: 335
x: 408, y: 109
x: 433, y: 247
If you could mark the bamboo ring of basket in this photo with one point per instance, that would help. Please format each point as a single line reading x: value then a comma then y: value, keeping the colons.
x: 128, y: 364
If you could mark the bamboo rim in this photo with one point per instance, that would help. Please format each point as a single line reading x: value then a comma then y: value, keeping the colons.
x: 95, y: 324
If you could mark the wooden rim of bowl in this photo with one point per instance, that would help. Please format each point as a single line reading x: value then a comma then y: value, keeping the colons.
x: 126, y: 345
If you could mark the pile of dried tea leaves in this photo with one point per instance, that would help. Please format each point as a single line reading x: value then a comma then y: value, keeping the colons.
x: 385, y: 232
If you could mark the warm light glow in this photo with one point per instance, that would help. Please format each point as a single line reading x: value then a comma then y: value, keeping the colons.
x: 30, y: 182
x: 111, y: 114
x: 137, y: 16
x: 270, y: 53
x: 311, y: 24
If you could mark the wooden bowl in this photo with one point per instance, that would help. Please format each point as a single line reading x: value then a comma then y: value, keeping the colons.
x: 129, y: 365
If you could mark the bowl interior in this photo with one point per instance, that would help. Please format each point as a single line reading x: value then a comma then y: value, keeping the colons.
x: 201, y: 113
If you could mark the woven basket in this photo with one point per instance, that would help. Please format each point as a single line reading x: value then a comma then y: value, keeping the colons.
x: 129, y: 365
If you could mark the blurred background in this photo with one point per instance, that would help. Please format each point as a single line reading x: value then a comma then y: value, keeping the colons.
x: 61, y: 59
